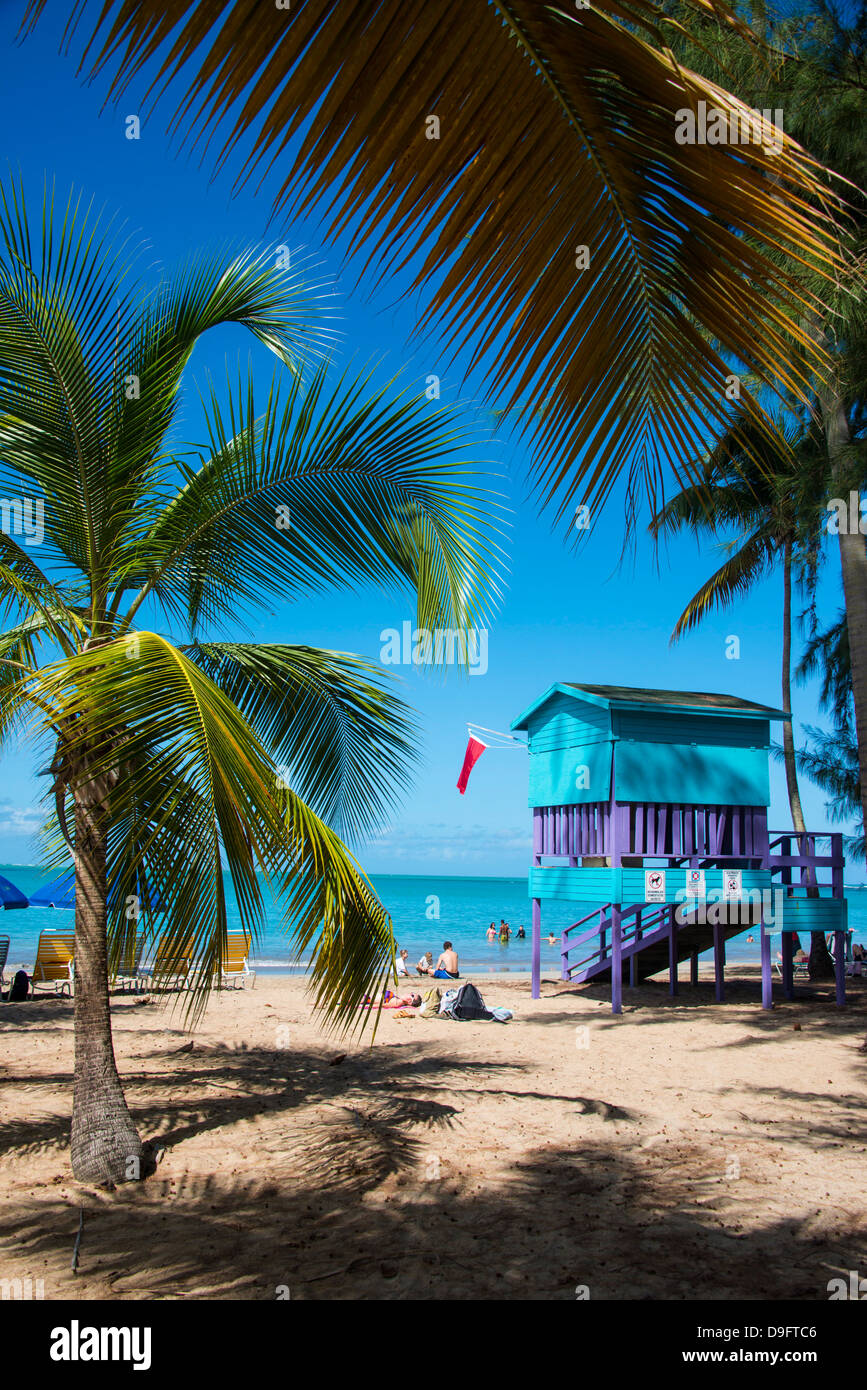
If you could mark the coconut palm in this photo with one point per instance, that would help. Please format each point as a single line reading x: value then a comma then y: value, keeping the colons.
x: 771, y: 499
x: 171, y: 756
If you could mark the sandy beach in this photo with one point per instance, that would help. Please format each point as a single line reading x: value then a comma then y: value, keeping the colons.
x: 684, y: 1150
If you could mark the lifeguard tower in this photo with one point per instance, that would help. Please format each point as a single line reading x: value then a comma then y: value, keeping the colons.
x: 653, y: 806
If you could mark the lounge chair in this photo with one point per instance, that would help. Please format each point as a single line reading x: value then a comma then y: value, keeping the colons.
x: 55, y: 962
x: 5, y: 943
x: 170, y: 966
x: 129, y: 972
x: 236, y: 966
x: 800, y: 968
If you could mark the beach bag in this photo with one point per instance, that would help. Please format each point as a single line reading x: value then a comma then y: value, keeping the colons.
x: 430, y: 1002
x: 501, y: 1015
x: 468, y: 1006
x: 446, y: 1002
x: 20, y: 987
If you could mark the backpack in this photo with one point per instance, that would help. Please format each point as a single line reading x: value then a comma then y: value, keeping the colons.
x: 446, y: 1002
x: 20, y: 987
x: 467, y: 1005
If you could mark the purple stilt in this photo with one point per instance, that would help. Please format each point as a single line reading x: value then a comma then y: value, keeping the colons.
x: 767, y: 976
x: 564, y: 959
x: 536, y: 955
x: 672, y: 952
x: 840, y: 967
x: 616, y: 962
x: 693, y: 968
x: 719, y: 962
x: 787, y: 948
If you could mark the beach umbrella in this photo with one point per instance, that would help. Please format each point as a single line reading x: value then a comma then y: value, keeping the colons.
x: 10, y: 896
x: 60, y: 892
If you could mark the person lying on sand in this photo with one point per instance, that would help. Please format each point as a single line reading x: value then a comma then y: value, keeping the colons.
x: 404, y: 1001
x: 394, y: 1001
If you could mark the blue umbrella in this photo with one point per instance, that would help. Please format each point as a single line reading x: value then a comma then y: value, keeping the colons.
x: 10, y: 896
x: 61, y: 893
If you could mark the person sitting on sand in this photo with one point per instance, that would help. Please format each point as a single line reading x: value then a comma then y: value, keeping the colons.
x: 426, y: 966
x: 447, y: 965
x: 491, y: 932
x: 858, y: 952
x: 520, y: 934
x: 400, y: 963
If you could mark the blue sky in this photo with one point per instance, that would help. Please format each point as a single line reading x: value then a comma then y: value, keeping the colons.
x: 566, y: 615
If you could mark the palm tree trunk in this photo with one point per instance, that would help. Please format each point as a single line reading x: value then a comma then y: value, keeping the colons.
x: 788, y: 736
x: 821, y: 961
x: 853, y: 560
x: 106, y: 1148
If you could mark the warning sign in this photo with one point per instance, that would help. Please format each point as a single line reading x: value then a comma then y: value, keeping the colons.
x: 695, y: 883
x: 654, y: 885
x: 733, y: 883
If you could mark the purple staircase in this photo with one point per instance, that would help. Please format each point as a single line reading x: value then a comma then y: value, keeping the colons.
x: 652, y: 940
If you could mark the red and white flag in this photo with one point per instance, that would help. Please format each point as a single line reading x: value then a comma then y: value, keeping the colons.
x: 475, y: 749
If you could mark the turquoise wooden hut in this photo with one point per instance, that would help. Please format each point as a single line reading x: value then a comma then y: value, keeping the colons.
x: 652, y: 805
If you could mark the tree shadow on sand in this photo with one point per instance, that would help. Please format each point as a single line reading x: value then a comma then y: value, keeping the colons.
x: 361, y: 1196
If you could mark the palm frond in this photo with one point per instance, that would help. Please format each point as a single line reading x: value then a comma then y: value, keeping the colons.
x: 187, y: 784
x: 333, y: 486
x: 557, y: 130
x: 731, y: 581
x: 339, y: 737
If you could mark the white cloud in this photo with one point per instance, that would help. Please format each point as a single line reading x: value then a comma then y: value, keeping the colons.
x: 19, y: 820
x: 466, y: 843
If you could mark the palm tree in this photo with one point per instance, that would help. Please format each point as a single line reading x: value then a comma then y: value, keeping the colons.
x: 168, y: 758
x: 771, y: 499
x: 819, y: 77
x: 527, y: 159
x: 831, y: 759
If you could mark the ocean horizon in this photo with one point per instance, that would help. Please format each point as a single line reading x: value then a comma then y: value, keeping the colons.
x: 426, y: 910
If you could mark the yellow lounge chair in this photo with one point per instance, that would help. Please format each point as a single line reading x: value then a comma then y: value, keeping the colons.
x: 236, y: 966
x: 129, y: 972
x: 55, y: 962
x: 170, y: 965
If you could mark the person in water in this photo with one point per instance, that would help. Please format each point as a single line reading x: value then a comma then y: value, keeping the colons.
x: 491, y: 932
x: 505, y: 933
x: 520, y: 934
x: 447, y: 965
x: 552, y: 940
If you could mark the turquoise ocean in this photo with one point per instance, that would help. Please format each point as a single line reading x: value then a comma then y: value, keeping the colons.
x: 426, y: 911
